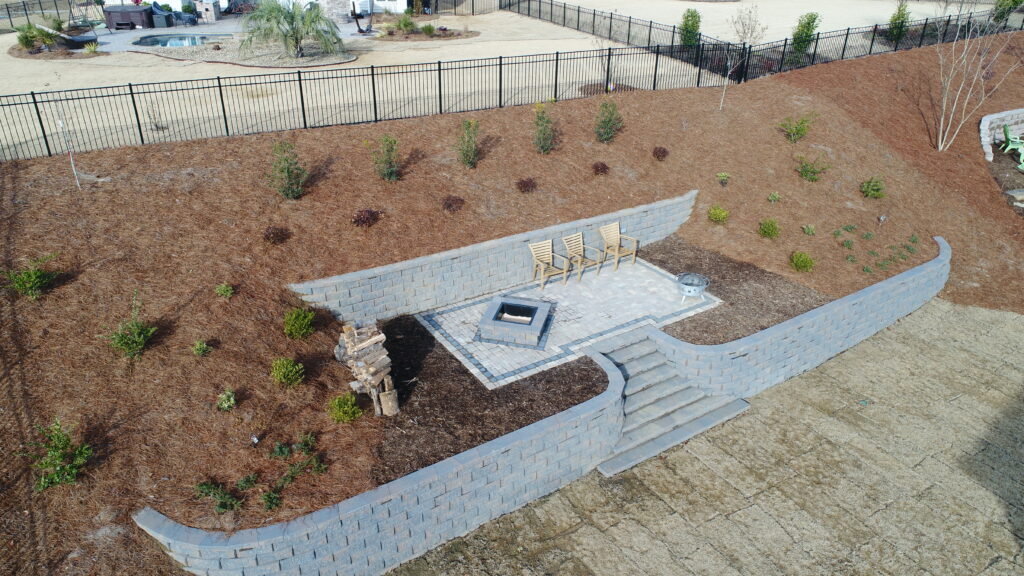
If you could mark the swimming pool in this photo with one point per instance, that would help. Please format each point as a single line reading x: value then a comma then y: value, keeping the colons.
x: 177, y: 40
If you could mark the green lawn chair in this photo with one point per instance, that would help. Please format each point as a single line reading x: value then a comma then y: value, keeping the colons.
x: 1011, y: 143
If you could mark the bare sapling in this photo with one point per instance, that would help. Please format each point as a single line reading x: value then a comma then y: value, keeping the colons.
x: 749, y: 30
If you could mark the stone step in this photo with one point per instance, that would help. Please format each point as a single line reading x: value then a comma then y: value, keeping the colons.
x: 653, y: 393
x: 674, y: 419
x: 638, y: 366
x: 1017, y: 195
x: 674, y: 400
x: 650, y: 378
x: 633, y: 351
x: 626, y: 459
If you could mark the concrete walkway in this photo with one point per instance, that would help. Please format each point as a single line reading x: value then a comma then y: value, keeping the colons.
x: 904, y: 456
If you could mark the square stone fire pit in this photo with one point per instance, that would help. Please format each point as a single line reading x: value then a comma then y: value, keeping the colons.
x: 514, y: 321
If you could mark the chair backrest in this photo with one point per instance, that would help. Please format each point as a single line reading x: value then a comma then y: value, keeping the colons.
x: 573, y: 244
x: 542, y: 251
x: 610, y: 234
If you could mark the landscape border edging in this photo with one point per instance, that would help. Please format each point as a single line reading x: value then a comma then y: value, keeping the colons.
x: 991, y: 128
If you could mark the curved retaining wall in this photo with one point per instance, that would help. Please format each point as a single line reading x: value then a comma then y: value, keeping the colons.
x: 744, y: 367
x: 378, y: 530
x: 991, y: 128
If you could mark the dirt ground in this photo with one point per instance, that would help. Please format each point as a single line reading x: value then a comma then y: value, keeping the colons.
x: 176, y: 220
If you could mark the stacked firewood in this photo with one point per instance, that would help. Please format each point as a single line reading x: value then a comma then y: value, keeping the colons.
x: 362, y: 350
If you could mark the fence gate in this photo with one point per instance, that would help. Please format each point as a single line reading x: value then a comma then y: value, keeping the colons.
x: 462, y: 7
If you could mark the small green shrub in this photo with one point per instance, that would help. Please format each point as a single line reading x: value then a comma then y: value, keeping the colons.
x: 795, y: 130
x: 92, y: 48
x: 287, y: 372
x: 609, y: 122
x: 469, y: 150
x: 723, y: 178
x: 898, y: 22
x: 56, y: 24
x: 848, y: 244
x: 811, y: 170
x: 306, y: 443
x: 62, y: 460
x: 837, y: 232
x: 188, y: 8
x: 27, y: 34
x: 223, y: 500
x: 801, y: 262
x: 287, y: 176
x: 132, y: 334
x: 774, y: 198
x: 201, y: 348
x: 872, y: 253
x: 281, y: 450
x: 226, y: 400
x: 867, y: 236
x: 850, y: 227
x: 428, y: 29
x: 910, y: 248
x: 808, y: 229
x: 803, y: 34
x: 32, y: 281
x: 689, y: 28
x: 913, y: 238
x: 343, y: 408
x: 406, y: 24
x: 246, y: 482
x: 224, y: 290
x: 867, y: 270
x: 851, y: 258
x: 298, y: 323
x: 873, y: 188
x: 385, y: 159
x: 1004, y: 8
x: 768, y: 229
x: 271, y: 500
x: 544, y: 137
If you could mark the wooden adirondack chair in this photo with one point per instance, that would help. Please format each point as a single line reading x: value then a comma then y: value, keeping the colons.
x: 613, y: 244
x: 544, y: 262
x: 1012, y: 143
x: 577, y: 252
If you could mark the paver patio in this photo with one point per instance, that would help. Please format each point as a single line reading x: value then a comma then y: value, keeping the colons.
x: 904, y: 455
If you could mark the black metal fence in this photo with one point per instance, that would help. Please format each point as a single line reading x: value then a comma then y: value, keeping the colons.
x: 462, y: 7
x: 32, y: 12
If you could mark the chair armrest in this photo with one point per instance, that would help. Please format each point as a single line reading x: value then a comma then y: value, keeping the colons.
x: 585, y: 248
x: 631, y: 239
x: 556, y: 255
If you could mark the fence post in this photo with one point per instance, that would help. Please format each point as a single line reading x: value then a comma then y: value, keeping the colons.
x: 9, y: 19
x: 920, y: 41
x: 473, y: 7
x: 440, y: 92
x: 945, y: 29
x: 611, y: 20
x: 302, y: 99
x: 593, y: 22
x: 746, y: 63
x: 608, y: 71
x: 500, y: 94
x: 564, y: 9
x: 629, y: 30
x: 782, y: 60
x: 135, y: 108
x: 578, y: 23
x: 845, y: 42
x: 373, y: 90
x: 56, y: 8
x: 874, y: 32
x: 556, y: 76
x: 672, y: 40
x: 657, y: 57
x: 815, y: 55
x: 650, y: 31
x: 700, y: 58
x: 223, y: 108
x: 42, y: 127
x: 24, y: 8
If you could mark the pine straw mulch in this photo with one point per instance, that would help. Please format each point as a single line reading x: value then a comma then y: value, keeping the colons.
x: 178, y: 219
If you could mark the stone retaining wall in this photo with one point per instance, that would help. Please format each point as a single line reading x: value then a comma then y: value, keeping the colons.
x: 991, y: 128
x: 466, y: 273
x: 744, y: 367
x: 378, y: 530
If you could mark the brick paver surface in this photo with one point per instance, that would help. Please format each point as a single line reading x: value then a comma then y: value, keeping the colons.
x: 903, y: 456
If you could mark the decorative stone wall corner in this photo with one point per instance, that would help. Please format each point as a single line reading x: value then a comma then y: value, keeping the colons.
x: 991, y: 128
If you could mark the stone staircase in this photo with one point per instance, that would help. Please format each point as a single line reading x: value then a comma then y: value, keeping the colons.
x: 662, y: 409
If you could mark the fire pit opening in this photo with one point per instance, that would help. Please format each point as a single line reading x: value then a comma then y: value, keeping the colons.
x: 515, y: 313
x: 515, y: 321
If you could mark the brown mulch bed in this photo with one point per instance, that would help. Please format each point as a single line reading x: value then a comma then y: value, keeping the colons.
x: 445, y: 409
x: 1004, y: 170
x: 55, y: 54
x: 752, y: 299
x: 417, y: 36
x: 177, y: 219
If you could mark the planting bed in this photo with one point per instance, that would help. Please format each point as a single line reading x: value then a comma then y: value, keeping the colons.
x: 176, y: 220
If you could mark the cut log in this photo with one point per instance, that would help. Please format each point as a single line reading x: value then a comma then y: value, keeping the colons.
x: 379, y: 338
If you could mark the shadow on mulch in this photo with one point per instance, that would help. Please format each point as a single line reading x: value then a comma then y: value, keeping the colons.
x: 752, y: 299
x: 445, y: 410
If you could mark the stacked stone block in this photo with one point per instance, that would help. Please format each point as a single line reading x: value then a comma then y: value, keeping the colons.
x: 991, y: 128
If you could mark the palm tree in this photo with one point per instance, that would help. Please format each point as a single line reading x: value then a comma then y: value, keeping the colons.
x: 290, y: 25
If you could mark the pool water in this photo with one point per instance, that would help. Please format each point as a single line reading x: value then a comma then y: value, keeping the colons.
x: 177, y: 40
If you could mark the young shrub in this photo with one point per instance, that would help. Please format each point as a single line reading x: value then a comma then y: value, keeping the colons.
x: 873, y: 188
x: 61, y: 460
x: 287, y: 176
x: 867, y: 235
x: 810, y: 170
x: 201, y: 348
x: 246, y: 482
x: 366, y: 218
x: 848, y: 244
x: 306, y: 443
x: 898, y: 22
x: 526, y: 185
x: 287, y: 372
x: 723, y: 178
x: 224, y: 290
x: 768, y: 229
x: 544, y: 137
x: 92, y: 48
x: 599, y: 168
x: 132, y: 334
x: 803, y: 34
x: 689, y: 28
x: 428, y: 29
x: 281, y: 451
x: 32, y: 280
x: 469, y: 150
x: 271, y: 500
x: 774, y: 198
x: 795, y: 130
x: 659, y: 153
x: 27, y: 34
x: 274, y: 235
x: 343, y: 408
x: 609, y: 122
x: 718, y: 215
x: 223, y: 500
x: 226, y: 400
x: 801, y: 262
x: 452, y: 204
x: 385, y: 159
x: 298, y: 323
x: 808, y: 229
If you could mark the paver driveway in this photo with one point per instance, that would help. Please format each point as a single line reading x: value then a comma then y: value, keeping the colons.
x: 902, y: 456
